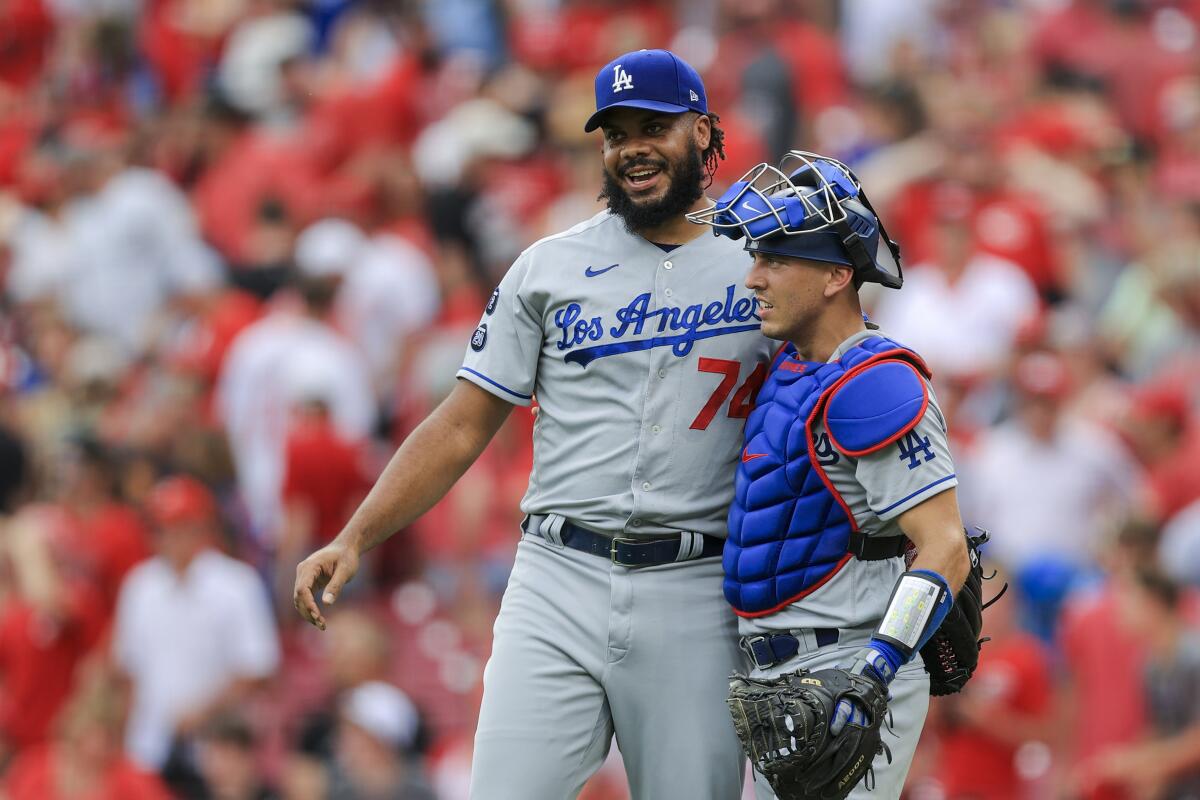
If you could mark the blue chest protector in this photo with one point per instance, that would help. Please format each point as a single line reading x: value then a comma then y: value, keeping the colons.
x: 789, y: 531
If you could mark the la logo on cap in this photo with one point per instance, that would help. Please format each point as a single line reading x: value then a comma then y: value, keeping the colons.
x: 621, y: 79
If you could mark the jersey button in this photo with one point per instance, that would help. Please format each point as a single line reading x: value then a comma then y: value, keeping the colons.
x: 646, y: 486
x: 662, y: 373
x: 637, y: 523
x: 669, y: 293
x: 657, y: 429
x: 667, y: 265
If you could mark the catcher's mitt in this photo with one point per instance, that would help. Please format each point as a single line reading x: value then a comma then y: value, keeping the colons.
x: 952, y: 653
x: 783, y: 724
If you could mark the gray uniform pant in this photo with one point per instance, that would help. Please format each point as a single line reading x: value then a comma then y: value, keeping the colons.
x: 908, y: 705
x: 583, y: 649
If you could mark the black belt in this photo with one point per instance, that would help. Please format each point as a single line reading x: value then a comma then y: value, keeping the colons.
x: 877, y: 548
x: 767, y: 650
x: 627, y: 552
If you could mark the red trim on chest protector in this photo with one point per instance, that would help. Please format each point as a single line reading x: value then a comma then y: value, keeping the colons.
x: 836, y: 569
x: 820, y: 408
x: 894, y: 437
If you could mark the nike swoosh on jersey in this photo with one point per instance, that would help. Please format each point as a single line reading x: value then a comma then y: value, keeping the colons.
x: 592, y: 272
x: 748, y: 456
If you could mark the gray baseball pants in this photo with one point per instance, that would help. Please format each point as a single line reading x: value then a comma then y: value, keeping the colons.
x: 584, y: 649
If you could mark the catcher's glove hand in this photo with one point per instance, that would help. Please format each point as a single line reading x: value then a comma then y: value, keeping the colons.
x: 784, y: 726
x: 952, y: 653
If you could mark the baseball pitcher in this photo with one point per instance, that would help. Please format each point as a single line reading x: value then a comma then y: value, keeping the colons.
x: 635, y: 333
x: 844, y: 464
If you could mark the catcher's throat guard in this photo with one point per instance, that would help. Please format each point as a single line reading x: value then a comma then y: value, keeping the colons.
x: 810, y: 206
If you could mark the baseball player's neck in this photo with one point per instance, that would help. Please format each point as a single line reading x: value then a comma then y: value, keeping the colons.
x: 676, y: 230
x: 822, y: 337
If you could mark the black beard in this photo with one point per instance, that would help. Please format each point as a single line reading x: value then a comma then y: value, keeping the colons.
x: 686, y: 187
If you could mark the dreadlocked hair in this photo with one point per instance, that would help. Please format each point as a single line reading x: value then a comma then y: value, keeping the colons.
x: 715, y: 152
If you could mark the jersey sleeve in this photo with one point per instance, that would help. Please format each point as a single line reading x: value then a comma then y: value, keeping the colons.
x: 502, y: 356
x: 911, y: 470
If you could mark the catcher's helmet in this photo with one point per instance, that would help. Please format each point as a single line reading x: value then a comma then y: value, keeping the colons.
x: 810, y: 206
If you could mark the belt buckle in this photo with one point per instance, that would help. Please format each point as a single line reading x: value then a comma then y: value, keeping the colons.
x: 612, y: 550
x: 747, y: 645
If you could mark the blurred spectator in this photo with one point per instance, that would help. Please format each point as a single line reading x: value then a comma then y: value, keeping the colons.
x: 377, y: 728
x: 389, y: 297
x: 962, y: 310
x: 260, y: 44
x: 1179, y: 551
x: 325, y: 477
x: 1166, y: 440
x: 366, y: 739
x: 1003, y: 719
x: 1167, y: 765
x: 289, y: 357
x: 1045, y: 483
x: 1103, y: 708
x: 227, y: 762
x: 51, y: 618
x: 358, y: 652
x: 1153, y: 312
x: 85, y: 761
x: 194, y: 630
x: 108, y: 537
x: 124, y: 242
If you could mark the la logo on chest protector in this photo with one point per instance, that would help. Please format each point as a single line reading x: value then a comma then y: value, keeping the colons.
x: 621, y: 79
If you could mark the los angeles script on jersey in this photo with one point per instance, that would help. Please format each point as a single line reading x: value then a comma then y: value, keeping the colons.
x: 679, y: 327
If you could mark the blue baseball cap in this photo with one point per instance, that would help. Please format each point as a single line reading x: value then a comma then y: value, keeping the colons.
x: 656, y: 80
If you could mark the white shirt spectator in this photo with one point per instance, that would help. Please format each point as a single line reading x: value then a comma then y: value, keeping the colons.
x: 963, y: 328
x: 274, y: 363
x: 256, y: 49
x: 184, y: 639
x: 873, y: 30
x: 389, y: 292
x: 115, y: 257
x: 1054, y: 498
x: 1179, y: 548
x: 42, y: 255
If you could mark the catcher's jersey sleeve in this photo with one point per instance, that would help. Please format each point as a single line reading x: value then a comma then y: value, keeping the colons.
x: 502, y: 357
x: 909, y: 471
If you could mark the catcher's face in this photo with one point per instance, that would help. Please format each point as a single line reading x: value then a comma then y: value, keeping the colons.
x: 792, y: 293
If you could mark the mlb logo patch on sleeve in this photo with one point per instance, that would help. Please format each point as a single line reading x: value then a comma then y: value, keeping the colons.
x: 479, y: 338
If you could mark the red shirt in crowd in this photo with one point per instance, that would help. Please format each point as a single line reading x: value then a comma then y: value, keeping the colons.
x: 25, y: 32
x: 326, y: 473
x: 1106, y: 663
x: 1004, y: 224
x: 106, y: 543
x: 1175, y: 481
x: 38, y: 658
x: 32, y: 777
x: 1013, y: 676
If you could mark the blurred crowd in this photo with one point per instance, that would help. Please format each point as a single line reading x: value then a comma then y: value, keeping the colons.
x: 243, y: 244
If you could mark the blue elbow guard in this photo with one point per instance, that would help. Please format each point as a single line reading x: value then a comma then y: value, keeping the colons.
x: 919, y: 603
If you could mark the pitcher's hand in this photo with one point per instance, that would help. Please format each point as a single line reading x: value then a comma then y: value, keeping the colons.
x: 331, y: 566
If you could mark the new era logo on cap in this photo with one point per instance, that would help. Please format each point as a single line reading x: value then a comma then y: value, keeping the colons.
x: 656, y: 80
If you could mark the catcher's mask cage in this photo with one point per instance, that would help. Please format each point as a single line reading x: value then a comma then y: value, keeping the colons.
x: 812, y: 207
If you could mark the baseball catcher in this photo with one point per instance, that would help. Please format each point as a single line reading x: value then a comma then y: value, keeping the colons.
x: 846, y: 555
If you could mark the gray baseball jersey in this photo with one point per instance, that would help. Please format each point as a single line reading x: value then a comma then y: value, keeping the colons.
x: 644, y: 364
x: 877, y: 488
